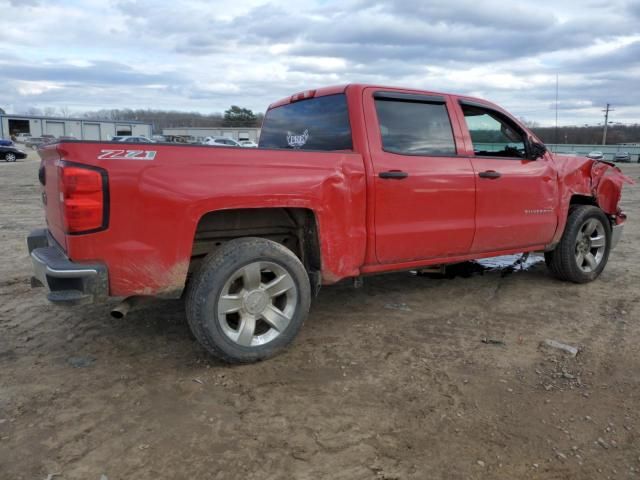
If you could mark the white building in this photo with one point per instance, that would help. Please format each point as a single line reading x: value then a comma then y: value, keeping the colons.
x: 197, y: 134
x: 81, y: 128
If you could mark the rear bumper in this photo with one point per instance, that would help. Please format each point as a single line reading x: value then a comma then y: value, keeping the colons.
x: 67, y: 282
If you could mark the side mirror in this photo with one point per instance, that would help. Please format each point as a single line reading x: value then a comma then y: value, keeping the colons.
x: 536, y: 150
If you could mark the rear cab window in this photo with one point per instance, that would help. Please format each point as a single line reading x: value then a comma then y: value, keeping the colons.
x: 319, y: 123
x: 414, y: 124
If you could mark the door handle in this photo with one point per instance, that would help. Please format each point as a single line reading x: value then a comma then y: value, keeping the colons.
x: 393, y: 175
x: 491, y: 174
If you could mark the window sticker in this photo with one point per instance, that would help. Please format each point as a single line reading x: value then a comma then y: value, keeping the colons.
x: 297, y: 141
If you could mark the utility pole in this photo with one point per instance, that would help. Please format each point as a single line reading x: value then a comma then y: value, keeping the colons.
x: 556, y: 129
x: 606, y: 123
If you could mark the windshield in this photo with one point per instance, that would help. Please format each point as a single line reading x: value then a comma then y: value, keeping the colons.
x: 316, y: 124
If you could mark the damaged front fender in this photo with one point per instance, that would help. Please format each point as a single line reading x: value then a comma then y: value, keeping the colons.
x: 607, y: 181
x: 600, y: 181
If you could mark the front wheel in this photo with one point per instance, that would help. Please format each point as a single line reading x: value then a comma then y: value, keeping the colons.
x: 248, y: 300
x: 9, y: 157
x: 584, y: 248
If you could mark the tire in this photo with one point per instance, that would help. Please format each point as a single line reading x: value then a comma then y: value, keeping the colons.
x: 9, y: 157
x: 248, y: 300
x: 584, y: 248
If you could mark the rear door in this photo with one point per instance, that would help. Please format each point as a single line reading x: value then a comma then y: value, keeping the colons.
x: 515, y: 195
x: 91, y: 131
x: 424, y: 192
x: 55, y: 128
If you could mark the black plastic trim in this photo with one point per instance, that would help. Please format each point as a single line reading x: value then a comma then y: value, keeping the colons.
x: 409, y: 97
x: 471, y: 103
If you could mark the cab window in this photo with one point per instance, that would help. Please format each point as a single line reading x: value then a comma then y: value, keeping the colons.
x: 320, y: 123
x: 492, y: 134
x: 413, y: 127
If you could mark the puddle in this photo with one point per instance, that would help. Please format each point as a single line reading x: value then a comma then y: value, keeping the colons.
x: 504, y: 264
x: 510, y: 261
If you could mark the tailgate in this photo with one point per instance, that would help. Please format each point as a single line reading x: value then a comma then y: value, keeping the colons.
x: 48, y: 176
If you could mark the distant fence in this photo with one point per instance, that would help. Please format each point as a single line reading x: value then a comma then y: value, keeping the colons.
x: 608, y: 151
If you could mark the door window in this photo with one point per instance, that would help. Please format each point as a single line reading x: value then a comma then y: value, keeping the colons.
x: 415, y: 128
x: 492, y: 134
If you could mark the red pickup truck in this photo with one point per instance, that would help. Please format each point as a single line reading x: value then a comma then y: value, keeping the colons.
x: 348, y: 181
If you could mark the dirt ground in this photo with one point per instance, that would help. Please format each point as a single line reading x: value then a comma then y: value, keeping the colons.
x: 390, y: 381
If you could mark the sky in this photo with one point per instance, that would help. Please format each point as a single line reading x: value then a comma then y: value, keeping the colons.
x: 205, y: 55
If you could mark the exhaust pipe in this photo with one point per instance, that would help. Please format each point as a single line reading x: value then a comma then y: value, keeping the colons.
x: 122, y: 309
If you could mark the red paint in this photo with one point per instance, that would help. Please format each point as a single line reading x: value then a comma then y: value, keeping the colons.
x: 443, y: 212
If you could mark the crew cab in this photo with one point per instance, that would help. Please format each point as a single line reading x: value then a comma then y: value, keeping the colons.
x: 347, y: 181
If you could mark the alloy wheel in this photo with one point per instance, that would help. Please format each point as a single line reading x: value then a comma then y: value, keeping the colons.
x: 257, y: 303
x: 591, y: 243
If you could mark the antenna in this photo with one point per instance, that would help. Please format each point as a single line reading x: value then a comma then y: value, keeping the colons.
x: 606, y: 122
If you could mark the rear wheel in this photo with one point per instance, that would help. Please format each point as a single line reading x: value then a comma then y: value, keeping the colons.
x: 10, y: 157
x: 248, y: 300
x: 584, y: 248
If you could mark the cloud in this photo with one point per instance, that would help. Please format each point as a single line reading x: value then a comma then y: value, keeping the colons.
x: 206, y: 55
x: 95, y: 73
x: 23, y: 3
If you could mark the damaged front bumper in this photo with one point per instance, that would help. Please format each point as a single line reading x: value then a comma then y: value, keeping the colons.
x: 67, y: 282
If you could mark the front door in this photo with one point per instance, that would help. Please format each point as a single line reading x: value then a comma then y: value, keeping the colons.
x: 515, y: 195
x: 424, y: 192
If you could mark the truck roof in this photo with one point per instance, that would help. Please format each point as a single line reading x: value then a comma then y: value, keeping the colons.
x: 334, y: 89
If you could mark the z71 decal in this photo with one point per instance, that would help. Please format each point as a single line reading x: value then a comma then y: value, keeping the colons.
x: 127, y: 155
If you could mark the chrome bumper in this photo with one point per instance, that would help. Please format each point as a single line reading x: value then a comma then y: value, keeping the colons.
x: 67, y: 282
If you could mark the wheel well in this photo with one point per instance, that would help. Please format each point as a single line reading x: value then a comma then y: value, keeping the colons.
x: 295, y: 228
x: 583, y: 200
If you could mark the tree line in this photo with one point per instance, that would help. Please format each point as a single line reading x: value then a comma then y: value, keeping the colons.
x: 234, y: 116
x: 160, y: 119
x: 588, y: 135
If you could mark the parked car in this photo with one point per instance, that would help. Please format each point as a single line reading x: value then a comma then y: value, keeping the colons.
x: 36, y: 142
x: 595, y: 155
x: 248, y: 144
x: 21, y: 137
x: 5, y: 143
x: 221, y: 142
x: 622, y: 157
x: 10, y: 153
x: 248, y: 236
x: 131, y: 139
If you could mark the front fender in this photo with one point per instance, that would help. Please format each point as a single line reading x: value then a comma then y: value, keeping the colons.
x: 581, y: 176
x: 607, y: 181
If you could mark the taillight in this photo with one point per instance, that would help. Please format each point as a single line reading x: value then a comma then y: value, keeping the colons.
x: 83, y: 192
